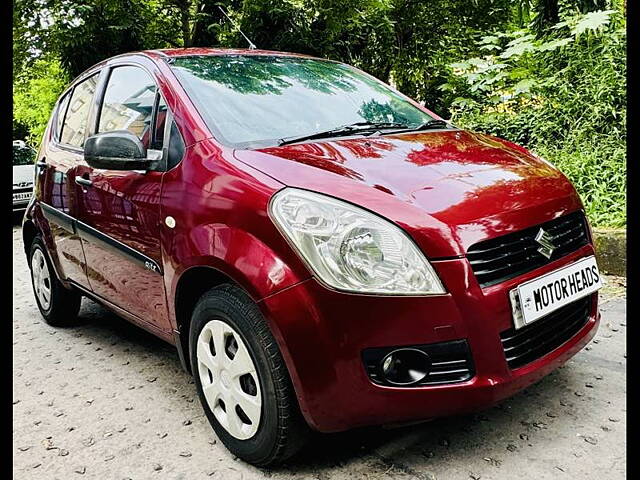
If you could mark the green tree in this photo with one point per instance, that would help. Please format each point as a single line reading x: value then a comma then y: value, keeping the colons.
x: 86, y: 32
x: 549, y: 74
x: 562, y: 95
x: 34, y: 97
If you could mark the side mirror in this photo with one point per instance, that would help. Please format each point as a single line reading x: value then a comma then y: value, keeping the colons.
x: 117, y: 150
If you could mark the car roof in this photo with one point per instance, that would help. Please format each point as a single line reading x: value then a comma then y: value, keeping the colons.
x: 181, y: 52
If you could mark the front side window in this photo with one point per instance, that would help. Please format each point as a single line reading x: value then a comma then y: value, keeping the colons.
x: 75, y: 121
x: 256, y: 100
x: 128, y: 103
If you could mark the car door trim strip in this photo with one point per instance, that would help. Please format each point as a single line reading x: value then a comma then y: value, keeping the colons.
x: 64, y: 221
x: 90, y: 234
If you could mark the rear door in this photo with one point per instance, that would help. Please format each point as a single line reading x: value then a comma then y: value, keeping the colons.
x: 120, y: 210
x: 56, y: 165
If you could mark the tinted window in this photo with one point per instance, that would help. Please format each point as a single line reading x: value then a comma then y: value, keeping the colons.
x: 62, y: 107
x: 128, y: 103
x: 176, y: 147
x: 161, y: 120
x: 260, y: 99
x: 75, y: 122
x: 23, y: 155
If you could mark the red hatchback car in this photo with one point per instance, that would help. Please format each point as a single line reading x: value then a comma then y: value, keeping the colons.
x: 324, y: 252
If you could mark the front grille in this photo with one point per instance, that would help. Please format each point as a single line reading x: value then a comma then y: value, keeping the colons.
x: 499, y: 259
x: 451, y: 362
x: 534, y: 341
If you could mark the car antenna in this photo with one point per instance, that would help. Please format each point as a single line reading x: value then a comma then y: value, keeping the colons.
x: 251, y: 44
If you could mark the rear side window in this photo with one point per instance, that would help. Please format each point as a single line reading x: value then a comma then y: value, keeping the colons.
x: 62, y: 109
x: 128, y: 103
x: 75, y: 121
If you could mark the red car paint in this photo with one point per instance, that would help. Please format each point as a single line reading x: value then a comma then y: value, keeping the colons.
x: 446, y: 189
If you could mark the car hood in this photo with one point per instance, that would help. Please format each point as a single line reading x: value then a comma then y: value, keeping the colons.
x: 449, y: 189
x: 23, y: 174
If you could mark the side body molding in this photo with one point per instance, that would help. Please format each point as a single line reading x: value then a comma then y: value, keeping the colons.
x: 64, y: 221
x: 90, y: 234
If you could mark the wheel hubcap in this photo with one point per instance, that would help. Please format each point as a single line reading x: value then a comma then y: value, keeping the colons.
x: 229, y: 379
x: 41, y: 278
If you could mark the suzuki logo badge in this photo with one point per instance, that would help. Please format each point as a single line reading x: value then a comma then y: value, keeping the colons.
x: 546, y: 245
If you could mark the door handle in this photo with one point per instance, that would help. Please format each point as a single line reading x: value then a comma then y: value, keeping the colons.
x: 84, y: 181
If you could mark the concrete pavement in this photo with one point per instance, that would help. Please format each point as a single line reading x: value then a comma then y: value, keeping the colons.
x: 106, y: 400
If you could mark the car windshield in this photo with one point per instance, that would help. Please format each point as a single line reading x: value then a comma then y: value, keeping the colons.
x: 252, y: 100
x: 23, y: 155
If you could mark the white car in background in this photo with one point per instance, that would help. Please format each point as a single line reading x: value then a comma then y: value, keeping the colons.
x: 23, y: 174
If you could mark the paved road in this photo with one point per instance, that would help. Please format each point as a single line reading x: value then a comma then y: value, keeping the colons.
x: 105, y: 400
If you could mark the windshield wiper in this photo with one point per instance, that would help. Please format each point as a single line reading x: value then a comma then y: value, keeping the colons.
x: 344, y: 130
x: 376, y: 125
x: 430, y: 125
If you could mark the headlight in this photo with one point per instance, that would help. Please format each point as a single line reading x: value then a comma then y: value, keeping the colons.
x: 351, y: 249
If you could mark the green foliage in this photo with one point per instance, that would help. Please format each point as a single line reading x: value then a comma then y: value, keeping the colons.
x: 84, y: 33
x: 562, y: 95
x: 548, y: 74
x: 430, y: 34
x: 597, y: 170
x: 35, y: 95
x: 408, y: 43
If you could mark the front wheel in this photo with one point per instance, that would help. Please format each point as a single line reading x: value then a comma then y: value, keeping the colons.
x: 57, y: 304
x: 241, y: 378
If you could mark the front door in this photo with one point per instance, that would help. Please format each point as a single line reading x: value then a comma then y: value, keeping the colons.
x: 120, y: 210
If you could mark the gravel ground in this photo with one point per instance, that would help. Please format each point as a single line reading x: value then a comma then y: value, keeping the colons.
x: 105, y: 400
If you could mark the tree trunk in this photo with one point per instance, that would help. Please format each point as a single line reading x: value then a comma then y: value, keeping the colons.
x: 550, y: 12
x: 185, y: 21
x: 547, y: 14
x: 207, y: 13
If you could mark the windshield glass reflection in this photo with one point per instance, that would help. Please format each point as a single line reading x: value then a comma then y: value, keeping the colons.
x: 256, y: 100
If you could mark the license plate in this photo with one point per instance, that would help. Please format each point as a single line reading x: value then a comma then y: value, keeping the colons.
x: 21, y: 196
x: 536, y: 298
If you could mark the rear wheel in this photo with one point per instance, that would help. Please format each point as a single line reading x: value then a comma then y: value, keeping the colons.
x: 242, y: 380
x: 58, y: 305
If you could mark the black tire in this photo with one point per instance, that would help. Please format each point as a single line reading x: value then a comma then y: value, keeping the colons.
x: 282, y: 430
x: 64, y: 305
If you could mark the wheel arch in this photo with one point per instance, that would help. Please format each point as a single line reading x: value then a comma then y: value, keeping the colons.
x: 192, y: 284
x: 222, y: 254
x: 29, y: 232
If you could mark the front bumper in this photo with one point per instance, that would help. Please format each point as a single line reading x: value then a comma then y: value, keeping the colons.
x: 322, y: 334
